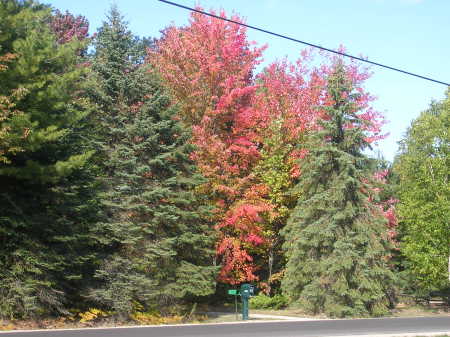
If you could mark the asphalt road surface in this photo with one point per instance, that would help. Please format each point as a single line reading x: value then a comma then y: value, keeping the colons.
x: 265, y: 329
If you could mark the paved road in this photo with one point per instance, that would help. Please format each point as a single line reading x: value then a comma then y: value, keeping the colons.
x: 266, y: 329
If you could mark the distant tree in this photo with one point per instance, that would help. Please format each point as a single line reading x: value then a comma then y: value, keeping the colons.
x: 157, y: 232
x: 337, y: 245
x: 424, y: 208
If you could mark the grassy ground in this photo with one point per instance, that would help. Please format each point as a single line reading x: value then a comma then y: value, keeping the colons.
x: 402, y: 311
x: 419, y: 310
x: 226, y: 318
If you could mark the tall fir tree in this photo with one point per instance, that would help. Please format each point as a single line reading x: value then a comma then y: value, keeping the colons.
x: 47, y: 187
x: 336, y: 239
x: 157, y: 233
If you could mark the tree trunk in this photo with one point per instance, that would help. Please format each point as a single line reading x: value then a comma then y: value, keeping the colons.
x: 269, y: 288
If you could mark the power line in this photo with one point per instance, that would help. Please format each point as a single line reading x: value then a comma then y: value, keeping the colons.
x: 303, y: 42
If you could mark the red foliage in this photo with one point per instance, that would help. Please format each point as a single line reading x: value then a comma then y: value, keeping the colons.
x: 208, y: 66
x: 236, y: 262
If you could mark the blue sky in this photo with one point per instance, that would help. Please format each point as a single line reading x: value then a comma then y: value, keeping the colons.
x: 407, y: 34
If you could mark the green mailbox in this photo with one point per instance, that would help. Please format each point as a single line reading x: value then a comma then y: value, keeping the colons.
x: 247, y: 290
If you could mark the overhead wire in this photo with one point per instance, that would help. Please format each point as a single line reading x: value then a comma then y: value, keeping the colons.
x: 303, y: 42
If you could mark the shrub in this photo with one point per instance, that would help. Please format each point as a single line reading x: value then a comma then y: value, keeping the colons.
x: 91, y: 315
x: 266, y: 302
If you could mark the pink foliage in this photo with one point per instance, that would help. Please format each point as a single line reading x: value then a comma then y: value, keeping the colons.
x: 387, y: 207
x: 370, y: 120
x: 237, y: 264
x: 67, y: 26
x: 291, y: 94
x: 209, y: 67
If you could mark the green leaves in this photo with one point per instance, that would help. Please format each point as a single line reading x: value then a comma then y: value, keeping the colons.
x: 423, y: 167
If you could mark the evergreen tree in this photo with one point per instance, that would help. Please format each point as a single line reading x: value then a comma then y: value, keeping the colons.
x: 159, y: 241
x: 47, y: 187
x: 336, y: 240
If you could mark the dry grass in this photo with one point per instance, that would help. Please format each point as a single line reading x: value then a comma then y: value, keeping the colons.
x: 106, y: 322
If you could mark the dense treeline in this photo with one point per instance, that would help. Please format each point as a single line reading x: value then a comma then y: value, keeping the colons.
x: 139, y: 174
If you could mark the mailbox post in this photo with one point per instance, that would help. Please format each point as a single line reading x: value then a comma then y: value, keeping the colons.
x: 235, y: 293
x: 247, y: 290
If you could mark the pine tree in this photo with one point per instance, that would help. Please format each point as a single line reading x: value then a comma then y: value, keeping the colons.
x: 157, y: 233
x: 47, y: 188
x: 336, y: 240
